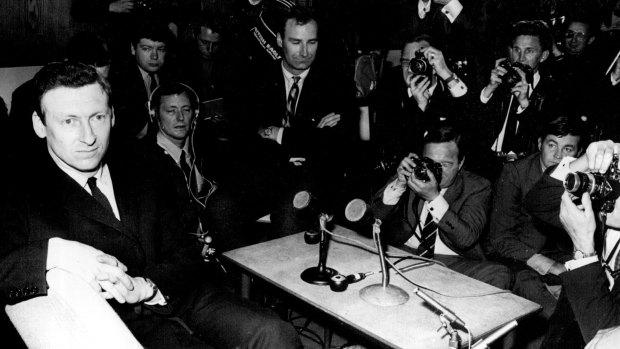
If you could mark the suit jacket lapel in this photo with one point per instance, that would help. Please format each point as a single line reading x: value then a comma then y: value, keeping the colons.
x: 455, y: 190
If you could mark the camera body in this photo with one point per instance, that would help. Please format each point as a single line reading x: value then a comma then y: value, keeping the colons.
x: 425, y: 164
x: 512, y: 77
x: 604, y: 188
x: 419, y: 65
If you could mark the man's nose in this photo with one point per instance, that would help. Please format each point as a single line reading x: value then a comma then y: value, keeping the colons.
x: 558, y: 154
x: 303, y: 50
x: 179, y: 115
x: 154, y: 55
x: 87, y: 135
x: 521, y: 57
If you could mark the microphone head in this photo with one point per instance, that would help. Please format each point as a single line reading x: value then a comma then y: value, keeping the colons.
x: 301, y: 200
x: 355, y: 210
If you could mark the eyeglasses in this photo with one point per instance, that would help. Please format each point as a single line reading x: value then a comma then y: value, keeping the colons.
x: 575, y: 35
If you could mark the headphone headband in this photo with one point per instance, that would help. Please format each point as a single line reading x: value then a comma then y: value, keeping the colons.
x: 151, y: 107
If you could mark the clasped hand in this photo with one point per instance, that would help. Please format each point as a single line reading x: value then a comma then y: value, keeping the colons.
x: 426, y: 190
x: 103, y: 272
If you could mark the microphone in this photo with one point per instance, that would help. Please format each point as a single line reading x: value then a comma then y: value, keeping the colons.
x: 358, y: 211
x: 443, y: 310
x: 484, y: 343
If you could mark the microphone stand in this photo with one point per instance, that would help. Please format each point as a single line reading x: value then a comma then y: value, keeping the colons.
x: 383, y: 294
x: 486, y: 342
x: 321, y: 274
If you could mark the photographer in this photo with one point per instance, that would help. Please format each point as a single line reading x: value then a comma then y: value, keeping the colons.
x: 443, y: 215
x: 510, y: 107
x: 420, y: 91
x: 590, y: 299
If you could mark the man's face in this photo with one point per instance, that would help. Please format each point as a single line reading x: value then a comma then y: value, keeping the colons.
x: 553, y: 149
x: 150, y: 55
x: 526, y: 49
x: 299, y: 45
x: 175, y: 117
x: 447, y: 154
x: 576, y: 38
x: 77, y: 125
x: 208, y: 42
x: 409, y: 54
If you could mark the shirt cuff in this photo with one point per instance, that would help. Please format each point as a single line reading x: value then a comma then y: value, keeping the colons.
x: 578, y: 263
x: 159, y: 299
x: 452, y: 10
x: 280, y: 135
x: 438, y: 208
x: 614, y: 82
x: 520, y: 109
x: 563, y: 169
x: 484, y: 99
x: 540, y: 263
x: 459, y: 89
x: 392, y: 193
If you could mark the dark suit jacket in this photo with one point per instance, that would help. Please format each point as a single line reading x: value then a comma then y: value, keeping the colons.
x: 460, y: 228
x: 514, y: 235
x: 147, y: 239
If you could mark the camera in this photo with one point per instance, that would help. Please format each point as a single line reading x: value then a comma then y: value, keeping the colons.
x: 419, y: 65
x: 604, y: 188
x: 425, y: 164
x: 512, y: 76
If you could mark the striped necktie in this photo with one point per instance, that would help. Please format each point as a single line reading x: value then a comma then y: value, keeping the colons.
x: 291, y: 101
x: 428, y: 236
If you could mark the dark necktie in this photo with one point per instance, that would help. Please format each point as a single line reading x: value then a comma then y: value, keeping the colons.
x: 188, y: 172
x: 98, y: 195
x: 428, y: 235
x: 291, y: 101
x: 153, y: 84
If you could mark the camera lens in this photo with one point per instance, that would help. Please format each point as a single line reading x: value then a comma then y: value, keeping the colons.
x: 579, y: 182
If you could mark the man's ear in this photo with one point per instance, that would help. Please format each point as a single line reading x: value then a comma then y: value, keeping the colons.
x: 539, y: 143
x: 461, y: 163
x: 591, y: 40
x: 133, y: 49
x: 544, y: 56
x: 112, y: 116
x: 279, y: 39
x: 38, y: 126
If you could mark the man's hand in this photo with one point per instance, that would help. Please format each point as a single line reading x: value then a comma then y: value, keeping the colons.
x: 578, y: 222
x: 426, y: 190
x: 418, y: 85
x: 84, y: 261
x: 270, y: 132
x: 121, y: 6
x: 135, y: 291
x: 436, y: 59
x: 557, y: 269
x: 521, y: 90
x: 405, y: 170
x: 496, y: 78
x: 597, y: 157
x: 329, y: 120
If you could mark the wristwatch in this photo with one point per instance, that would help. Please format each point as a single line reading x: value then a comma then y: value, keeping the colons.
x: 154, y: 287
x: 267, y: 132
x: 577, y: 254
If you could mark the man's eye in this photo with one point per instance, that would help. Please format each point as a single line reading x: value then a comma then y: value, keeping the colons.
x: 68, y: 122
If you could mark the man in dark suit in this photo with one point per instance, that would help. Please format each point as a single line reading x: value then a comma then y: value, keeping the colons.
x: 590, y: 298
x: 135, y: 80
x: 440, y: 218
x: 410, y: 101
x: 296, y: 123
x: 506, y: 119
x: 535, y: 253
x: 95, y: 215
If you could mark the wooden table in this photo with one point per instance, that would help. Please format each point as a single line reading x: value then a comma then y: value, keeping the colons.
x: 411, y: 325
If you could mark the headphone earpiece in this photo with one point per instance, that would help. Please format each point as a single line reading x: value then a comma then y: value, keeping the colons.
x: 151, y: 107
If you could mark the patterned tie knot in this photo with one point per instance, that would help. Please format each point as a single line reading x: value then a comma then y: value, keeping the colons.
x: 296, y: 79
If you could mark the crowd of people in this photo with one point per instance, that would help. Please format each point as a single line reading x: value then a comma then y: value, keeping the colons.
x: 161, y: 148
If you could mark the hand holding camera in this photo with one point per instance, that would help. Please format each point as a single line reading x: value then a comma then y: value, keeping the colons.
x: 422, y: 175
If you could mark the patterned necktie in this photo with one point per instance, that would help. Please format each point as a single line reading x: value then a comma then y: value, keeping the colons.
x: 428, y: 235
x: 98, y: 195
x: 153, y: 84
x: 291, y: 101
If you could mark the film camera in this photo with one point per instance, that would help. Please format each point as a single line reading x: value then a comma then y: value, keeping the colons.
x: 425, y: 164
x: 419, y: 65
x: 603, y: 188
x: 512, y: 77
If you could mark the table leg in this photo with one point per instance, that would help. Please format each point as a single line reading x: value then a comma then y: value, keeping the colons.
x: 246, y: 282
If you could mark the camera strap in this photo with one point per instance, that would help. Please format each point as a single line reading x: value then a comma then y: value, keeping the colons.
x: 609, y: 268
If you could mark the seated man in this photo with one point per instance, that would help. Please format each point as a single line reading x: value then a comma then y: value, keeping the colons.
x: 441, y: 218
x: 411, y: 99
x: 514, y: 237
x: 97, y: 216
x: 590, y: 298
x: 134, y: 81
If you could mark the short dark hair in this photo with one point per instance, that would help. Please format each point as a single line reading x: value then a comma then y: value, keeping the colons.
x: 411, y: 38
x: 443, y: 132
x: 88, y: 48
x: 537, y: 28
x: 208, y: 19
x: 300, y: 14
x: 67, y: 74
x: 561, y: 126
x: 152, y: 30
x: 170, y: 89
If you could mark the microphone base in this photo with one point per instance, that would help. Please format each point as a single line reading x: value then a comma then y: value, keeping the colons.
x: 385, y: 297
x: 317, y: 277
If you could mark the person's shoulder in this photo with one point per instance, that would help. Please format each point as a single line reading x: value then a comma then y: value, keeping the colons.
x: 474, y: 182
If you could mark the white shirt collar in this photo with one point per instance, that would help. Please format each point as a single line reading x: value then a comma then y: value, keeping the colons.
x: 78, y: 176
x: 172, y: 149
x: 289, y: 76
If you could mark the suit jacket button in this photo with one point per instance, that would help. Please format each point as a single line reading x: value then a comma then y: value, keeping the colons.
x: 12, y: 294
x: 35, y: 289
x: 19, y: 293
